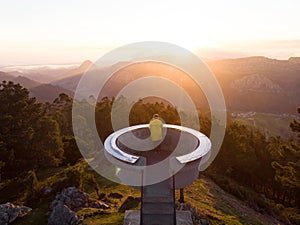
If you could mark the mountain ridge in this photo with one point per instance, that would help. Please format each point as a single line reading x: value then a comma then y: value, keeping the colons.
x: 42, y: 92
x: 253, y: 83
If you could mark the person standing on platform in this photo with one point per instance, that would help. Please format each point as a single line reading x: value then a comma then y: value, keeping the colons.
x: 156, y: 128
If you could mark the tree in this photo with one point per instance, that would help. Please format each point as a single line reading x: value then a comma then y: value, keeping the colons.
x: 2, y: 164
x: 244, y: 156
x: 28, y: 138
x: 61, y: 111
x: 47, y: 143
x: 287, y: 167
x: 71, y: 151
x: 295, y: 125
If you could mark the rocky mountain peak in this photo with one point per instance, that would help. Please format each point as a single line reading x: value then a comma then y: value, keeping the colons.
x: 294, y: 60
x: 256, y: 83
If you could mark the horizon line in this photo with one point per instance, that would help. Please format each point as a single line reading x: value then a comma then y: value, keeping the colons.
x: 205, y: 59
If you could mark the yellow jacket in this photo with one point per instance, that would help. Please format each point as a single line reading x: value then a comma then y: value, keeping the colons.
x: 155, y: 127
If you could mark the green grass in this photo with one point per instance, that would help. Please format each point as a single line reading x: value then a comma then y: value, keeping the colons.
x: 46, y: 173
x: 200, y: 196
x: 107, y: 219
x: 220, y: 207
x: 37, y: 216
x: 209, y: 200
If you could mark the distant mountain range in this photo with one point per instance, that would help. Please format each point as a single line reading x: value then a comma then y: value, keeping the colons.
x: 42, y: 92
x: 255, y: 84
x: 41, y: 73
x: 259, y: 84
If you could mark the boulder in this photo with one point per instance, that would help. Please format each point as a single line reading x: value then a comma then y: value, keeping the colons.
x: 76, y: 200
x: 73, y: 198
x: 62, y: 215
x: 9, y: 212
x: 67, y: 202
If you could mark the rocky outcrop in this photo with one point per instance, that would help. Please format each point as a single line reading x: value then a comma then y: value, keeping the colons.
x: 62, y: 215
x: 69, y: 201
x: 9, y: 212
x: 256, y: 83
x: 294, y: 60
x: 73, y: 198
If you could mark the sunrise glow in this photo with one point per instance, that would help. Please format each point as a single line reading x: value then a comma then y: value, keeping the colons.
x: 71, y: 31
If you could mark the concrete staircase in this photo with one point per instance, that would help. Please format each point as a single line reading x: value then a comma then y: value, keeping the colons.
x: 158, y: 204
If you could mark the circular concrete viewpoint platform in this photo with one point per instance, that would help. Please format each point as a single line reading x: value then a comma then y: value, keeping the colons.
x: 180, y: 152
x: 157, y: 168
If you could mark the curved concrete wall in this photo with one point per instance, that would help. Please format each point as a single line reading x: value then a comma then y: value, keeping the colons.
x: 190, y: 146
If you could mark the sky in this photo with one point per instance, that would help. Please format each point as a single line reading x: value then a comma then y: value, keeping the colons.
x: 37, y: 32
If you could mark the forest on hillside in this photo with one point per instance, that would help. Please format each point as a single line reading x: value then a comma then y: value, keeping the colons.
x: 35, y: 136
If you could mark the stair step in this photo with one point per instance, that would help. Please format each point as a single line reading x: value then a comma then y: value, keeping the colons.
x: 158, y: 211
x: 158, y: 192
x: 161, y: 206
x: 158, y: 204
x: 158, y: 219
x: 150, y: 199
